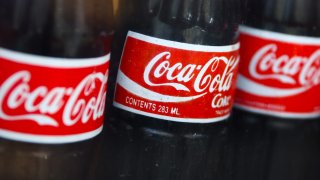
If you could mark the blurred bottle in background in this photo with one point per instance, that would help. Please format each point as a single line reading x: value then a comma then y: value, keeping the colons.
x: 54, y: 58
x: 276, y: 119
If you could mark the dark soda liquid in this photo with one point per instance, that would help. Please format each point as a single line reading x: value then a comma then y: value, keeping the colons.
x: 149, y: 148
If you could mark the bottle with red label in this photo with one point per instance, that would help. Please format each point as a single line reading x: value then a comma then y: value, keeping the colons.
x: 173, y: 78
x: 276, y: 119
x: 54, y: 60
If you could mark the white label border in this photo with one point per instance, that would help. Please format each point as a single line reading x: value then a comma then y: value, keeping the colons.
x: 169, y: 118
x: 277, y: 113
x: 48, y: 139
x: 53, y: 62
x: 183, y: 46
x: 281, y: 37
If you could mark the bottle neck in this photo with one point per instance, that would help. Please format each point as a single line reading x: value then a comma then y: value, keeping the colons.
x: 287, y: 16
x: 207, y: 22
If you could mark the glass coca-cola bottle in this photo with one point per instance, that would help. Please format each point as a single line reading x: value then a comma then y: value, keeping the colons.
x: 54, y: 58
x: 172, y: 81
x: 276, y: 119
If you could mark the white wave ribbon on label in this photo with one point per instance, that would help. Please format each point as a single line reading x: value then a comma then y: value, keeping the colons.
x: 140, y: 91
x: 252, y: 87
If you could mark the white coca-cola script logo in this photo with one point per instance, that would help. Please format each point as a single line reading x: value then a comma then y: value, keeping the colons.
x: 41, y: 104
x: 285, y: 68
x: 298, y: 71
x: 207, y: 78
x: 203, y: 80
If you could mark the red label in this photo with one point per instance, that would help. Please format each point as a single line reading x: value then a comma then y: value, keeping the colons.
x: 279, y: 74
x: 51, y: 100
x: 176, y: 81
